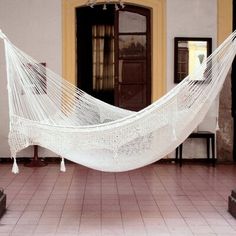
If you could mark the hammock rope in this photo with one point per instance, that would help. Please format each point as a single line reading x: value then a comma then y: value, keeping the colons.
x: 46, y: 110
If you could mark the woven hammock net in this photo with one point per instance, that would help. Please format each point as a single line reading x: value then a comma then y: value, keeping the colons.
x: 48, y: 111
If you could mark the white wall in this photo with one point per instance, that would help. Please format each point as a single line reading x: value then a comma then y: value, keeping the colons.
x: 35, y: 27
x: 191, y: 18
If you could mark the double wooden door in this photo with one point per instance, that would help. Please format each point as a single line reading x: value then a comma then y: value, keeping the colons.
x: 131, y: 55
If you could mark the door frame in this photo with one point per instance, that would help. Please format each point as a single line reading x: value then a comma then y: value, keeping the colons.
x: 158, y: 42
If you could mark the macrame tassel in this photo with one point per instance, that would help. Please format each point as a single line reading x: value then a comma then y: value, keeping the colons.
x: 2, y: 35
x: 15, y: 168
x: 63, y: 167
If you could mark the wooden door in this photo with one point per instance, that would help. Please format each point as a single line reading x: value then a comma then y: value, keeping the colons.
x: 132, y: 58
x: 131, y: 76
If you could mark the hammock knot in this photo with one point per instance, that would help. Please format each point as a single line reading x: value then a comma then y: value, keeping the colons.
x: 8, y: 88
x: 2, y: 35
x: 62, y: 167
x: 15, y: 168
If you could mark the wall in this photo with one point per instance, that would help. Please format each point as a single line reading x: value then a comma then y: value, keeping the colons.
x: 185, y: 18
x: 35, y: 27
x: 196, y: 18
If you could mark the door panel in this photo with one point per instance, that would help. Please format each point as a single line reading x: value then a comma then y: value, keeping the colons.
x: 133, y: 72
x: 132, y: 46
x: 114, y: 54
x: 132, y: 66
x: 130, y: 22
x: 132, y: 85
x: 132, y: 96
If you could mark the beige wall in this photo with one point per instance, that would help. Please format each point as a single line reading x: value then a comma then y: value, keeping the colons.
x: 224, y: 19
x: 191, y: 18
x: 35, y: 27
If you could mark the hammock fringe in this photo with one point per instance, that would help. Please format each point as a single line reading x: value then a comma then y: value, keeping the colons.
x: 15, y: 168
x: 62, y: 165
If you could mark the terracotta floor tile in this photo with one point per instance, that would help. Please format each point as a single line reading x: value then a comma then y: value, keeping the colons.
x: 161, y: 200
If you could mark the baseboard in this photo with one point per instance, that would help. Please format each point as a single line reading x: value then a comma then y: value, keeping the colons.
x: 232, y: 203
x: 197, y: 161
x: 3, y: 202
x: 56, y: 160
x: 23, y: 160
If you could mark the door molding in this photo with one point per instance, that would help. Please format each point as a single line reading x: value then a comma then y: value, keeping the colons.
x: 158, y: 41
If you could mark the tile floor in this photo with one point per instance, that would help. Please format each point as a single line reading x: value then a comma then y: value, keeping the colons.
x: 160, y: 199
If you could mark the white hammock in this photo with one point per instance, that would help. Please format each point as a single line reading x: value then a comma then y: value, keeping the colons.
x: 48, y: 111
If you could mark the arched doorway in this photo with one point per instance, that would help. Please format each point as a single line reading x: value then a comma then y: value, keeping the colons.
x: 114, y: 54
x: 158, y: 42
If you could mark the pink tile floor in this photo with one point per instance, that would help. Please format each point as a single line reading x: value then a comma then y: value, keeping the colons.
x: 160, y: 199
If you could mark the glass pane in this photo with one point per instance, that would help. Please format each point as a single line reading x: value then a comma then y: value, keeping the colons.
x: 132, y: 46
x: 192, y: 54
x: 130, y: 22
x: 103, y: 57
x: 197, y: 54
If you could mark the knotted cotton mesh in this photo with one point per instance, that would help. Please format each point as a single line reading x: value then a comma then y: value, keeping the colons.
x: 48, y: 111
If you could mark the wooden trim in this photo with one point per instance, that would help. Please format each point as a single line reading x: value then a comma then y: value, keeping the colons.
x: 158, y: 41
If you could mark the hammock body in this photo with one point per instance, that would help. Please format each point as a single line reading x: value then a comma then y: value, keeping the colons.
x: 48, y: 111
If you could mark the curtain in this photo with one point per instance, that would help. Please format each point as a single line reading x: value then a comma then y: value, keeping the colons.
x: 103, y: 57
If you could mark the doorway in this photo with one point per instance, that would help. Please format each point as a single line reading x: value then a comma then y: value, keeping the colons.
x: 114, y: 55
